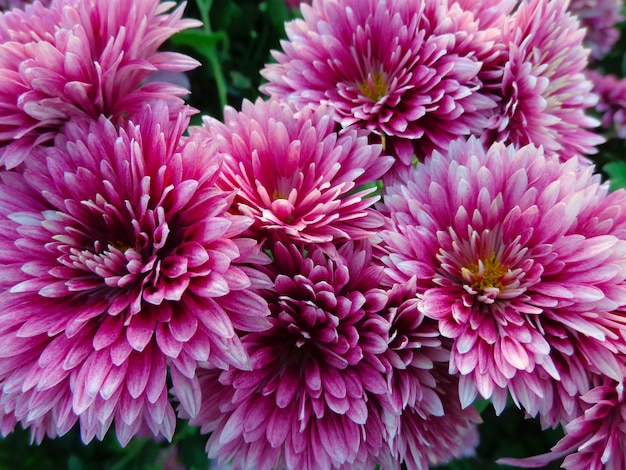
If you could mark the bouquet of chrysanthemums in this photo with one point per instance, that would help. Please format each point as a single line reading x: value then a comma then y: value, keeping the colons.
x: 410, y: 226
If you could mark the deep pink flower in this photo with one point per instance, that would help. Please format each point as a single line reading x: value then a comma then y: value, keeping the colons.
x: 544, y: 92
x: 595, y: 439
x: 612, y: 102
x: 120, y: 266
x: 295, y: 175
x: 408, y: 72
x: 81, y: 58
x: 313, y: 397
x: 600, y: 18
x: 521, y: 259
x: 432, y: 427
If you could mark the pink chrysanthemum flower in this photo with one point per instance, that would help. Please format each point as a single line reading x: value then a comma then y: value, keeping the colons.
x: 81, y: 58
x: 544, y: 92
x: 432, y: 428
x: 612, y: 103
x: 595, y: 439
x: 310, y: 399
x: 600, y: 19
x: 120, y: 266
x: 298, y: 178
x: 408, y: 72
x: 522, y: 261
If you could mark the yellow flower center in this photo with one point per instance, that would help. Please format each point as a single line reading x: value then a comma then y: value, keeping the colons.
x: 374, y: 86
x: 485, y: 274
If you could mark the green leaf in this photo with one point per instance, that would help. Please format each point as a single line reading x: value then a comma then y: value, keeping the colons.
x: 481, y: 405
x: 199, y: 40
x: 617, y: 174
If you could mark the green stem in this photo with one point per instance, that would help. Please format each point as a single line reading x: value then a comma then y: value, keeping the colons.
x: 204, y: 6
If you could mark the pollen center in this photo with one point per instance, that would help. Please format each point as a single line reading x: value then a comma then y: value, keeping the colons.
x: 485, y: 274
x: 374, y: 86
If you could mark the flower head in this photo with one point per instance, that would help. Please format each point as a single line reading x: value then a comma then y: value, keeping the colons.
x: 544, y: 92
x: 600, y: 19
x: 612, y: 103
x: 432, y: 428
x: 120, y: 265
x: 521, y: 260
x: 312, y: 398
x: 296, y: 176
x: 82, y: 59
x: 408, y: 72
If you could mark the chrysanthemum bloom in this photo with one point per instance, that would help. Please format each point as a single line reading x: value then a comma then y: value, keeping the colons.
x: 600, y: 18
x: 81, y: 58
x: 595, y: 439
x: 298, y: 178
x: 432, y: 427
x: 119, y: 265
x: 612, y: 103
x: 408, y: 72
x: 544, y: 92
x: 521, y: 259
x: 316, y: 374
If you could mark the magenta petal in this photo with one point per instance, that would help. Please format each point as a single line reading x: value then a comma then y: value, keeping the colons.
x: 187, y: 391
x: 139, y: 331
x: 183, y: 325
x: 140, y: 364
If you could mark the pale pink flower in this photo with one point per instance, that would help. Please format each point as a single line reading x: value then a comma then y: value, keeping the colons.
x: 82, y: 58
x: 600, y: 18
x: 295, y: 175
x: 544, y: 92
x: 521, y: 260
x: 120, y: 268
x: 314, y: 398
x: 408, y: 72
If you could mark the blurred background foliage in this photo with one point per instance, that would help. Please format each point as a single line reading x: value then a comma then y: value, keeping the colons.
x: 233, y: 47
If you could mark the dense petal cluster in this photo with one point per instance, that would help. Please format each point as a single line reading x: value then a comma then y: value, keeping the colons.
x: 521, y: 259
x: 432, y: 428
x: 408, y: 72
x: 544, y: 92
x: 351, y: 375
x: 81, y: 58
x: 310, y: 399
x: 120, y: 266
x: 295, y: 175
x: 600, y: 18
